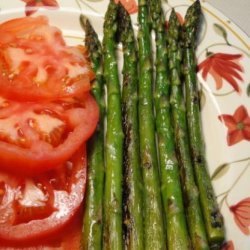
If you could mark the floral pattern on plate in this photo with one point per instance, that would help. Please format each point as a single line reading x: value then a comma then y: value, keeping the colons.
x: 222, y: 66
x: 238, y: 125
x: 224, y: 74
x: 33, y: 5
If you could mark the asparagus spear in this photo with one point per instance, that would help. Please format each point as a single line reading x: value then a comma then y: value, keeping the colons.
x: 153, y: 220
x: 212, y: 216
x: 177, y: 233
x: 92, y: 219
x: 132, y: 179
x: 112, y: 228
x: 190, y: 192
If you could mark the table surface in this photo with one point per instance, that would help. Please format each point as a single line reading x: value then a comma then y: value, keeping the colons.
x: 237, y: 10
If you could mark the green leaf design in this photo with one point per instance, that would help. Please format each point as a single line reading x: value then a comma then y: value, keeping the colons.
x: 248, y: 90
x: 220, y: 171
x: 221, y: 32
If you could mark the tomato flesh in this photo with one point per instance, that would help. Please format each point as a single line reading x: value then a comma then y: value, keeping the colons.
x: 69, y: 237
x: 37, y: 137
x: 45, y: 204
x: 35, y: 63
x: 46, y: 116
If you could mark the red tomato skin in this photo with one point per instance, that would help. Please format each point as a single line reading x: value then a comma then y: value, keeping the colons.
x: 48, y: 229
x: 68, y: 238
x: 40, y: 158
x: 36, y: 64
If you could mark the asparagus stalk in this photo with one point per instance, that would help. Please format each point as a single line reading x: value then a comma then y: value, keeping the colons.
x: 132, y: 179
x: 177, y: 233
x: 92, y: 218
x: 190, y: 192
x: 153, y: 214
x: 112, y: 234
x: 212, y: 216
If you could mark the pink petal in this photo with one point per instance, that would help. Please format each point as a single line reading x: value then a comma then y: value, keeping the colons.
x: 244, y: 213
x: 233, y: 72
x: 240, y: 114
x: 228, y: 57
x: 243, y: 218
x: 246, y: 132
x: 30, y: 8
x: 244, y: 202
x: 241, y: 212
x: 229, y: 121
x: 246, y: 121
x: 231, y: 64
x: 234, y: 137
x: 227, y: 76
x: 27, y: 1
x: 244, y: 229
x: 51, y: 3
x: 129, y: 5
x: 217, y: 79
x: 205, y: 67
x: 229, y: 245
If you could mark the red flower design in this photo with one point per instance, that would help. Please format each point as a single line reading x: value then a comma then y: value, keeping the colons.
x: 241, y: 212
x: 229, y: 245
x: 222, y: 66
x: 238, y: 125
x: 129, y: 5
x: 33, y: 5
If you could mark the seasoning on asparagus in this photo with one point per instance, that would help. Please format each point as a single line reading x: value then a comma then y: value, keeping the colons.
x: 132, y: 179
x: 177, y: 232
x: 92, y: 218
x: 191, y: 196
x: 212, y: 216
x: 153, y: 211
x: 112, y: 227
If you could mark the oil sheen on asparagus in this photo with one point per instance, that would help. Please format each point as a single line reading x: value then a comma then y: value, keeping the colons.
x: 191, y: 195
x: 155, y: 237
x: 132, y: 178
x: 212, y: 216
x: 177, y: 233
x: 112, y: 234
x: 92, y: 218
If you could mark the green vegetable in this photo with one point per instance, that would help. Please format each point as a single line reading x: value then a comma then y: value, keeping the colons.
x: 132, y: 179
x: 92, y: 219
x: 155, y: 237
x: 212, y: 216
x: 190, y: 191
x: 177, y: 233
x: 112, y: 228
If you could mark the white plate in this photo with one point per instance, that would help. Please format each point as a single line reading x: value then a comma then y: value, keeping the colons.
x: 229, y: 165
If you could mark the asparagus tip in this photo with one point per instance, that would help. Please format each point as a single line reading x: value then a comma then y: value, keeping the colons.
x: 193, y: 14
x: 84, y: 21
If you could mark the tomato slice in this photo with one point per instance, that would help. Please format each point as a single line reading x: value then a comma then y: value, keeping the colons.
x: 36, y: 137
x: 36, y: 64
x: 45, y: 204
x: 69, y: 237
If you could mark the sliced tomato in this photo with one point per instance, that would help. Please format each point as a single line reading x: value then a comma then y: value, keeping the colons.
x: 69, y: 237
x: 36, y: 137
x: 35, y: 63
x: 32, y: 209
